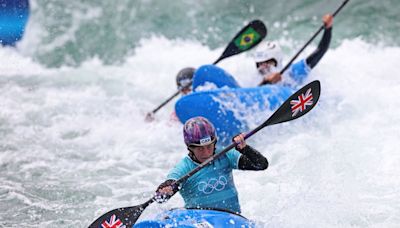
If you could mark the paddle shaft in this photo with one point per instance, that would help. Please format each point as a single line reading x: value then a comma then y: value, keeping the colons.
x: 177, y: 92
x: 311, y: 39
x: 219, y: 59
x: 166, y: 101
x: 306, y: 44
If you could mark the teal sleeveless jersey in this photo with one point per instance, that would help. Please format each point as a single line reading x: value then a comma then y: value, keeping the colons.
x: 212, y: 186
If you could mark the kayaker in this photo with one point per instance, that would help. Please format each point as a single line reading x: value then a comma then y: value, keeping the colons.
x: 212, y: 187
x: 268, y: 58
x: 184, y: 80
x: 184, y: 83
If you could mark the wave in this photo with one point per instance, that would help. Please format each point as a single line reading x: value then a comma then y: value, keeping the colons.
x: 83, y: 127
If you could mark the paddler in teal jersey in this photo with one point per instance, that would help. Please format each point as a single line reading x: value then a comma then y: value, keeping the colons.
x: 212, y: 187
x: 268, y: 58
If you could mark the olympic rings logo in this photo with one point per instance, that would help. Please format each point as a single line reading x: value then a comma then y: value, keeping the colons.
x: 212, y: 184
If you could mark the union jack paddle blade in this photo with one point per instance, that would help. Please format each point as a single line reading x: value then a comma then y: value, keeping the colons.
x: 121, y: 217
x: 297, y: 105
x: 300, y: 104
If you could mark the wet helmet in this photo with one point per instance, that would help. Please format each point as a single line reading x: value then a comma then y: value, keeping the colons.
x: 198, y: 131
x: 268, y: 51
x: 184, y: 77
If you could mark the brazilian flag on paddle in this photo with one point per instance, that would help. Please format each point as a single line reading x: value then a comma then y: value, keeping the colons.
x: 247, y: 39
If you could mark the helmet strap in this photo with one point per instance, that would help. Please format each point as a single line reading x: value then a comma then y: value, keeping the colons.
x: 193, y: 156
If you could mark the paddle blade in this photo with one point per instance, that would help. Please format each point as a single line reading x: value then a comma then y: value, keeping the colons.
x: 121, y: 216
x: 247, y: 38
x: 297, y: 105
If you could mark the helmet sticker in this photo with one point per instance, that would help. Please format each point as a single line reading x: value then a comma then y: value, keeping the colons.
x: 205, y: 140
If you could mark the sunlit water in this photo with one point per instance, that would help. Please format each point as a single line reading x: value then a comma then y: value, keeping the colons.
x: 74, y: 143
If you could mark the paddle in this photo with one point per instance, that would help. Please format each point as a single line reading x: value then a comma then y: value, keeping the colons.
x: 294, y: 107
x: 308, y: 42
x: 245, y: 39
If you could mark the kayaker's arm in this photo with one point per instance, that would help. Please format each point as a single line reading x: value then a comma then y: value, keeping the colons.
x: 323, y: 45
x: 251, y: 159
x: 271, y: 79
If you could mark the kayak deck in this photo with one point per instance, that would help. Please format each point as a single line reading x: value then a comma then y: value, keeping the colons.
x: 196, y: 218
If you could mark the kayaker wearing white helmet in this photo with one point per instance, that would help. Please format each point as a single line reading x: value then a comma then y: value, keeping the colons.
x: 268, y: 57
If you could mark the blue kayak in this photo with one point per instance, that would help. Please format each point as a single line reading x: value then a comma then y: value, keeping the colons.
x: 195, y: 218
x: 228, y: 106
x: 13, y: 18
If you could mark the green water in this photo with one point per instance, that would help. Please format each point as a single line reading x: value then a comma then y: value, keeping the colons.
x: 74, y: 143
x: 71, y: 32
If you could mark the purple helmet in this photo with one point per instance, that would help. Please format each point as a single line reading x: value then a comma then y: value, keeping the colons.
x: 198, y: 131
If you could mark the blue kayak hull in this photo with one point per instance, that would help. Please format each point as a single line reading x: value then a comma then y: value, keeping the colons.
x: 195, y: 218
x: 13, y: 18
x: 231, y: 110
x: 211, y: 73
x: 228, y: 106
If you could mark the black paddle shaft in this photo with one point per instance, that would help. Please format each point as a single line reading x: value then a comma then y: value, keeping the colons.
x: 306, y: 44
x: 312, y: 38
x: 166, y: 101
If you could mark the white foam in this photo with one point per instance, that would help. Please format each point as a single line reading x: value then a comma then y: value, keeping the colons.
x: 335, y: 167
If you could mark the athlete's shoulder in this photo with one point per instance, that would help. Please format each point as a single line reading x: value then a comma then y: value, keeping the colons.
x: 299, y: 71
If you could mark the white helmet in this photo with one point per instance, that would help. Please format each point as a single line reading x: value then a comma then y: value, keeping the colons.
x: 268, y: 50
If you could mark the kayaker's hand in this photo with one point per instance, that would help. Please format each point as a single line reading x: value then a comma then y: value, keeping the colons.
x: 165, y: 191
x: 173, y: 117
x: 149, y: 117
x: 272, y: 78
x: 163, y: 195
x: 328, y: 20
x: 241, y: 143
